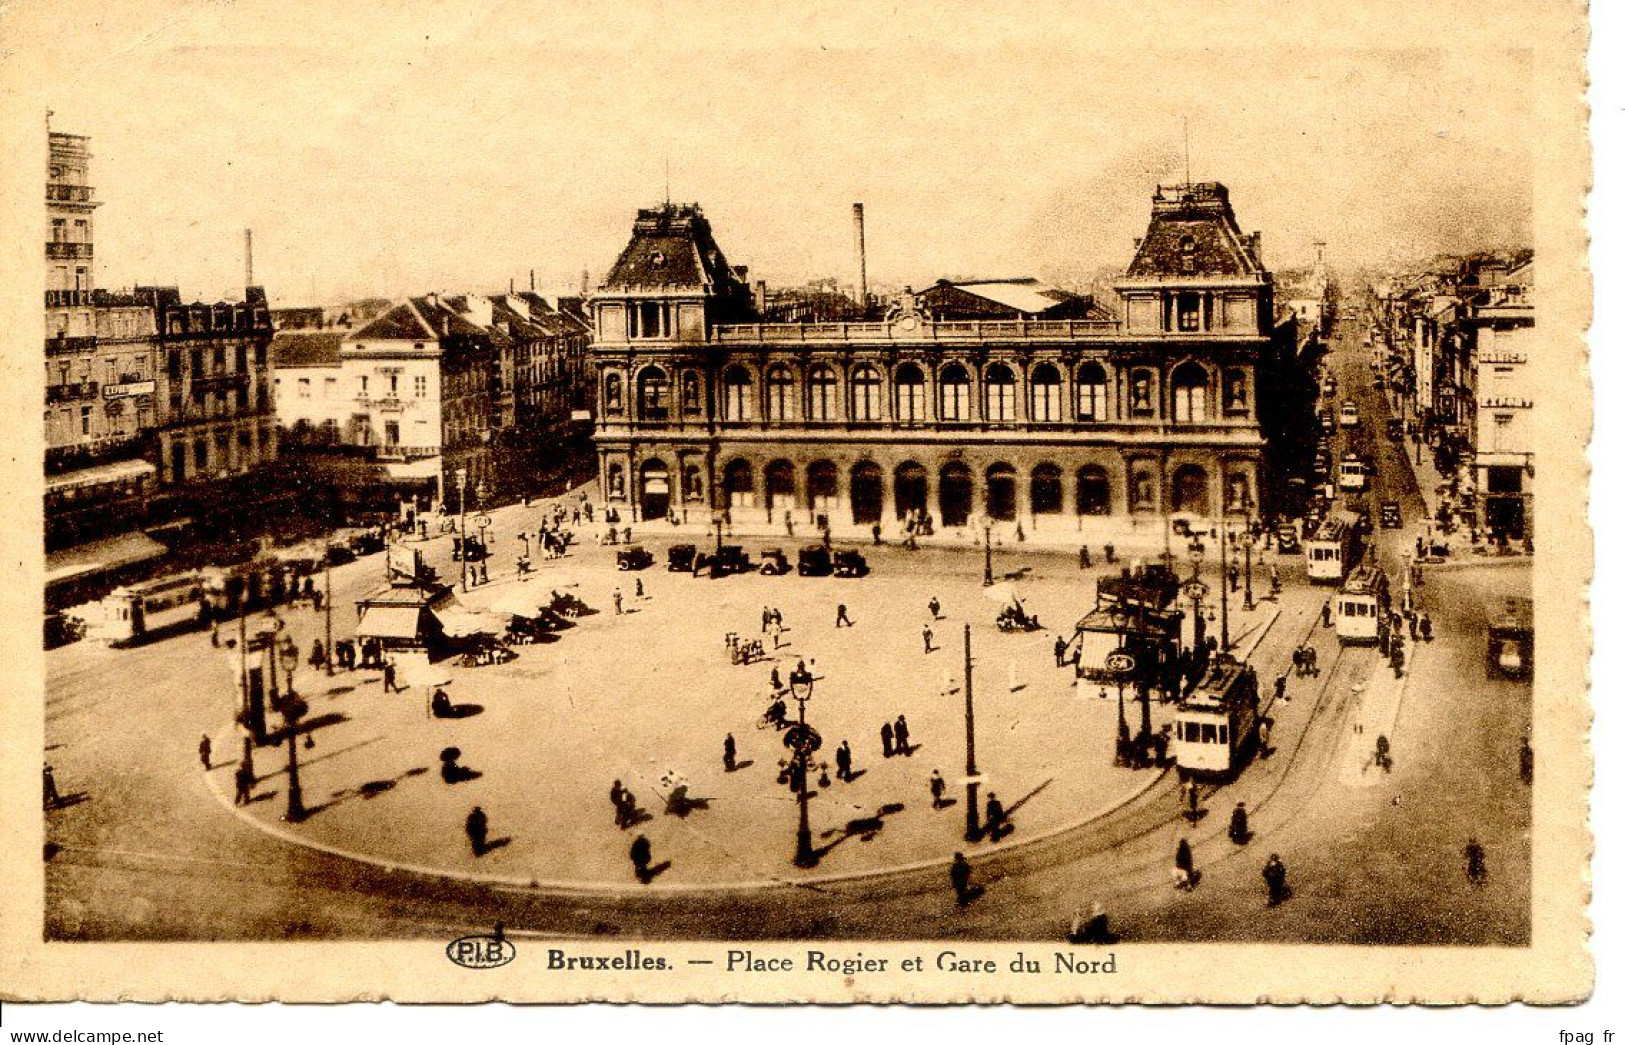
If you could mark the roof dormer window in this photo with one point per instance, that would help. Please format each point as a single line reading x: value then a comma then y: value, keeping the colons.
x: 1187, y: 254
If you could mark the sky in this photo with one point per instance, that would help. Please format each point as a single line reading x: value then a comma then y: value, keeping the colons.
x: 406, y: 147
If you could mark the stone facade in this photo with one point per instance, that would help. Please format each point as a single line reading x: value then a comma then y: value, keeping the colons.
x: 1041, y: 422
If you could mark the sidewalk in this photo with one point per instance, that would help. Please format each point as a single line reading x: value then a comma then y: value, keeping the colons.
x: 1380, y: 695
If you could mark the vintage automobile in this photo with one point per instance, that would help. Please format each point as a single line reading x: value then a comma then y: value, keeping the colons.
x: 1286, y: 539
x: 1389, y: 515
x: 467, y: 549
x: 814, y: 561
x: 850, y: 564
x: 774, y: 563
x: 680, y: 558
x: 730, y: 558
x: 636, y: 557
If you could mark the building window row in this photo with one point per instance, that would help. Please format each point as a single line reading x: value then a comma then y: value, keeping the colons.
x: 1194, y: 399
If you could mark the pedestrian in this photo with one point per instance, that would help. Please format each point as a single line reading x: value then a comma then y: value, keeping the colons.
x: 886, y: 740
x: 840, y: 616
x: 775, y: 681
x: 1297, y: 662
x: 244, y: 779
x: 389, y: 676
x: 1477, y: 872
x: 53, y: 797
x: 1326, y: 614
x: 1280, y: 688
x: 959, y: 876
x: 204, y: 751
x: 1083, y: 557
x: 1425, y: 626
x: 1239, y: 833
x: 875, y: 530
x: 767, y: 619
x: 1111, y: 553
x: 1184, y: 867
x: 1235, y: 576
x: 1194, y: 798
x: 843, y: 762
x: 214, y: 633
x: 775, y: 631
x: 928, y: 636
x: 993, y: 818
x: 900, y: 737
x: 477, y: 827
x: 938, y: 787
x: 318, y: 655
x: 778, y: 616
x: 1311, y: 661
x: 1275, y: 879
x: 729, y: 752
x: 637, y: 590
x: 935, y: 607
x: 485, y: 577
x: 641, y: 856
x: 1410, y: 619
x: 617, y: 598
x: 1060, y: 651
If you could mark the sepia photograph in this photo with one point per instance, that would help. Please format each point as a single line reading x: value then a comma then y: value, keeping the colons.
x: 804, y: 503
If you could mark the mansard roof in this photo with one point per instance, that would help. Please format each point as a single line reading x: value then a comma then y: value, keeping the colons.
x: 1194, y: 235
x: 672, y: 246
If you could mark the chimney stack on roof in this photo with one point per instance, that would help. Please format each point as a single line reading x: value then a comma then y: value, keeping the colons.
x: 861, y: 253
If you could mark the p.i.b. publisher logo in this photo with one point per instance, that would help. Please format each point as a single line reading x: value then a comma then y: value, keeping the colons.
x: 482, y: 952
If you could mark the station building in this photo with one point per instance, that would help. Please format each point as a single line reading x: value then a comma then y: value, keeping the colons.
x: 702, y: 411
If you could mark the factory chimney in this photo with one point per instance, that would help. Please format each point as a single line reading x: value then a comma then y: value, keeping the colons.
x: 862, y: 256
x: 248, y: 257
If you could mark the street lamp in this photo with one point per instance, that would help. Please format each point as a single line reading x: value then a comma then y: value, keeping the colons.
x: 327, y: 603
x: 462, y: 524
x: 973, y: 826
x: 803, y: 741
x: 293, y: 710
x: 987, y: 551
x: 1224, y: 589
x: 1247, y: 602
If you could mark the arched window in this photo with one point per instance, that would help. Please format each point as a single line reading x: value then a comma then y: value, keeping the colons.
x: 1189, y: 383
x: 739, y: 484
x: 612, y: 393
x: 737, y: 402
x: 1091, y: 392
x: 1046, y: 490
x: 955, y: 393
x: 1046, y: 382
x: 781, y: 394
x: 910, y: 394
x: 1235, y: 392
x: 652, y: 391
x: 865, y: 394
x: 821, y: 394
x: 1000, y: 393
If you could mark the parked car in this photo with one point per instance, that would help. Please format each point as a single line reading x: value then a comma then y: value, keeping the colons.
x: 850, y: 564
x: 730, y: 558
x: 814, y: 561
x: 680, y: 558
x: 468, y: 549
x: 774, y: 563
x: 339, y: 554
x: 636, y: 557
x: 366, y: 543
x: 1286, y: 539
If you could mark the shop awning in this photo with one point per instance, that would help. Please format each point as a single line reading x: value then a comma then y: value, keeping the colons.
x: 117, y: 472
x: 389, y: 622
x: 426, y: 468
x: 101, y: 556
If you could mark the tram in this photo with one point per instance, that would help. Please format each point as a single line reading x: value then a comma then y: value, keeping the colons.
x: 1217, y: 724
x: 1362, y: 606
x: 1333, y: 548
x: 145, y: 610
